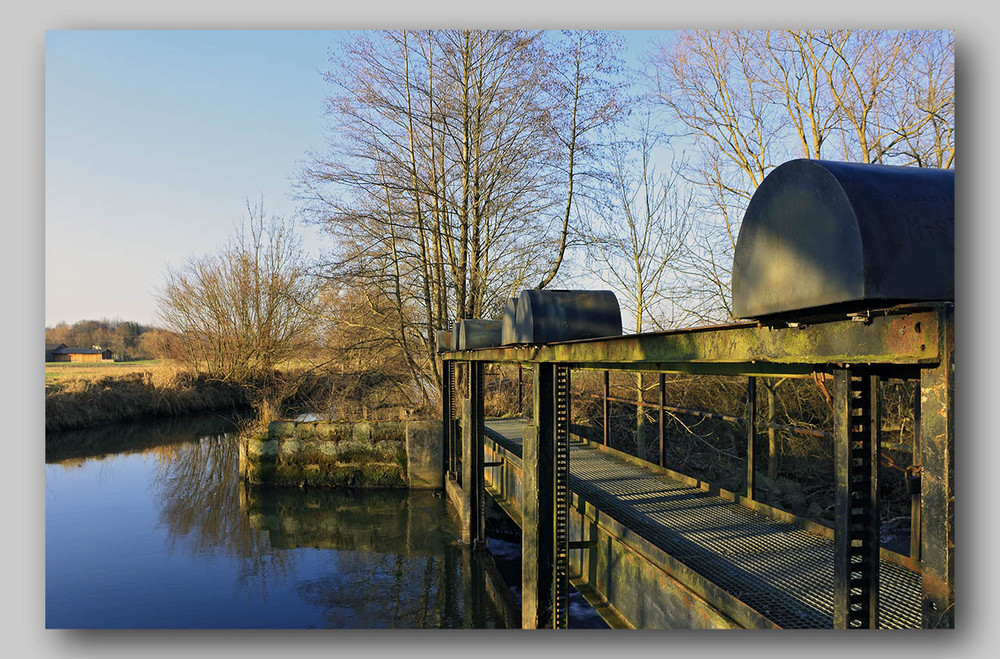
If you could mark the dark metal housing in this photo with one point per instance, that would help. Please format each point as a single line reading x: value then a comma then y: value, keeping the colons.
x: 824, y: 237
x: 470, y: 334
x: 444, y: 341
x: 508, y: 334
x: 546, y: 316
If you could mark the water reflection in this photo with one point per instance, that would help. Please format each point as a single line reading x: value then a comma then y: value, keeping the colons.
x: 398, y: 565
x: 176, y: 529
x: 200, y: 493
x: 135, y: 437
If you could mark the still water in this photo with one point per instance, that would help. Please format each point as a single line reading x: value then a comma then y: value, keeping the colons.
x: 149, y: 526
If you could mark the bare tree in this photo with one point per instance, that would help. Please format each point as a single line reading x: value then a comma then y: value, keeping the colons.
x: 586, y: 88
x: 750, y: 100
x: 453, y: 169
x: 241, y: 311
x: 635, y: 241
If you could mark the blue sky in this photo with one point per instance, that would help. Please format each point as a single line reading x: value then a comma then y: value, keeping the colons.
x: 154, y: 139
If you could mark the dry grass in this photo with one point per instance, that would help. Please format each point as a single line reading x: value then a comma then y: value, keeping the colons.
x: 85, y: 395
x: 63, y: 373
x: 162, y: 371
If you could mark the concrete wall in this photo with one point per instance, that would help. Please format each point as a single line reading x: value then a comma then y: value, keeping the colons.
x: 345, y: 454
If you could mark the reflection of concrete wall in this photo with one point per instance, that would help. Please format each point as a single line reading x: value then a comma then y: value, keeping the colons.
x: 389, y: 521
x: 424, y: 455
x: 344, y: 454
x: 396, y: 563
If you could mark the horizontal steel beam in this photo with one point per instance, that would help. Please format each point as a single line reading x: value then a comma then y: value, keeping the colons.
x: 902, y: 337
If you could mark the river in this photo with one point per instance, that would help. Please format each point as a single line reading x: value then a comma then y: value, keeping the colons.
x: 148, y: 525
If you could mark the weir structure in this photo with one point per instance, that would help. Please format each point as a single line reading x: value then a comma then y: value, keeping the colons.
x: 650, y: 547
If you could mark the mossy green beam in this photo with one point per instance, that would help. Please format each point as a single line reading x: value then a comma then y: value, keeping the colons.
x: 909, y: 336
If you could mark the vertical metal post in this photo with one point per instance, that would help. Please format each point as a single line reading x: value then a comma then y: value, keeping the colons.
x: 520, y: 390
x: 446, y: 427
x: 663, y: 435
x: 914, y: 477
x: 545, y: 510
x: 937, y: 482
x: 560, y: 517
x: 458, y: 394
x: 751, y: 433
x: 475, y: 457
x: 537, y: 503
x: 856, y: 506
x: 773, y: 452
x: 607, y: 392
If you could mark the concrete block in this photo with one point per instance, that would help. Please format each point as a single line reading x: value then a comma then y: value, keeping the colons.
x: 280, y: 429
x: 288, y: 448
x: 334, y: 431
x: 546, y: 316
x: 424, y: 455
x: 362, y: 432
x: 261, y: 449
x: 508, y: 332
x: 392, y: 431
x: 444, y: 340
x: 328, y: 449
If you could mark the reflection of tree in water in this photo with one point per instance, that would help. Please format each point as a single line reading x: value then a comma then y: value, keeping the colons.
x: 395, y: 591
x: 200, y: 489
x: 391, y: 561
x: 395, y: 561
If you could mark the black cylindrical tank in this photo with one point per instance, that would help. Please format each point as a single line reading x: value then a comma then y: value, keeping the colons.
x: 546, y: 316
x: 823, y: 236
x: 473, y: 333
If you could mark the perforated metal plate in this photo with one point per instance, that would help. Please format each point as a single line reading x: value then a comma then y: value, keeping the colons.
x: 783, y: 572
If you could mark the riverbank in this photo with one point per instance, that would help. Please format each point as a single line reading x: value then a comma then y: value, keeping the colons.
x: 83, y: 395
x: 76, y: 403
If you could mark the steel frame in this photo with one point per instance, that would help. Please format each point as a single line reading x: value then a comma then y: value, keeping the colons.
x: 909, y: 341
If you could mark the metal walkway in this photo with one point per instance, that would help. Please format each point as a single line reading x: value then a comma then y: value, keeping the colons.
x: 783, y: 572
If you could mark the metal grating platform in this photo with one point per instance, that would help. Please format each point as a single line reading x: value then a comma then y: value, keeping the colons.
x: 783, y: 572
